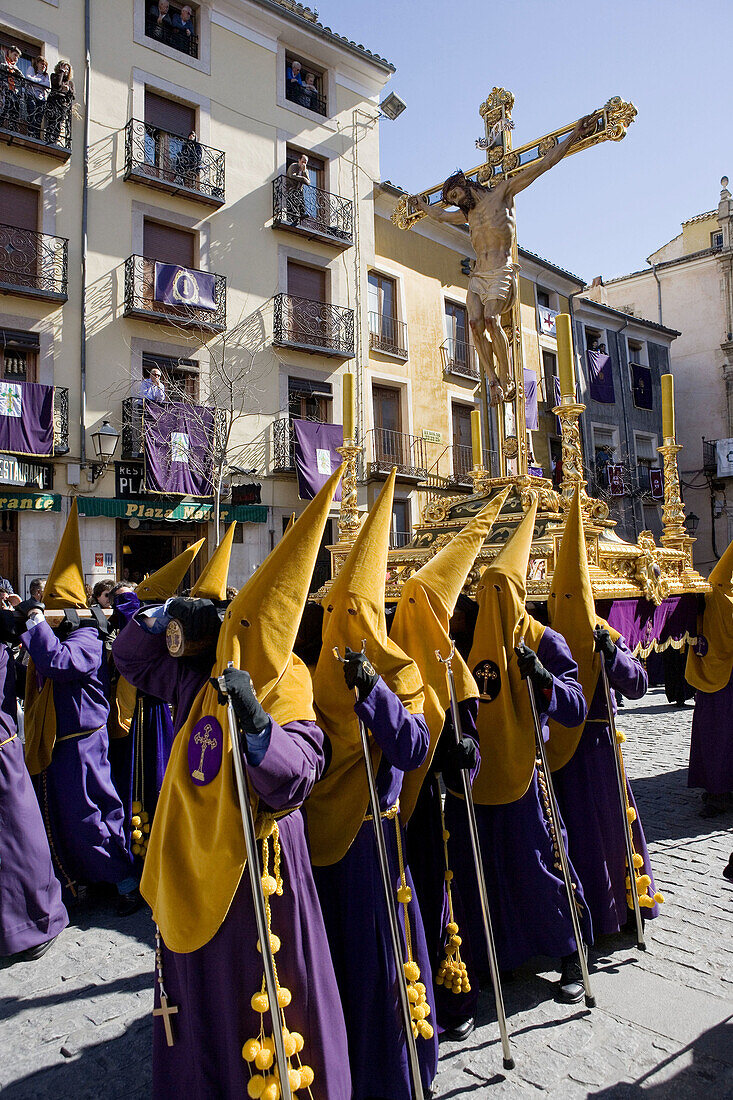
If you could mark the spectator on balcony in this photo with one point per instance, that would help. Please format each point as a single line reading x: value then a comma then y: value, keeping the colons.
x: 188, y: 162
x: 183, y: 30
x: 152, y: 388
x: 60, y: 101
x: 294, y: 81
x: 309, y: 92
x: 11, y: 85
x: 36, y: 88
x: 159, y: 21
x: 298, y: 178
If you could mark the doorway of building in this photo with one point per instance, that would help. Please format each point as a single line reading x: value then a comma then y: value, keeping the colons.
x: 143, y: 549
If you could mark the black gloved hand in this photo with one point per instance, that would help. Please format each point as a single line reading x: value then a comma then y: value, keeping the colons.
x: 451, y: 758
x: 359, y: 673
x: 23, y: 610
x: 251, y: 717
x: 199, y: 618
x: 604, y: 643
x: 10, y: 627
x: 530, y: 666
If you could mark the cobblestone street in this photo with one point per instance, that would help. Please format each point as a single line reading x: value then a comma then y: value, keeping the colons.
x: 77, y: 1023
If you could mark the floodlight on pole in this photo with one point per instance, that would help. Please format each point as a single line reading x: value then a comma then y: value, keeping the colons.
x: 392, y: 107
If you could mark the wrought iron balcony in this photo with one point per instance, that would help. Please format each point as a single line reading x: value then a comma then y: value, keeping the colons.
x: 462, y: 463
x: 60, y: 420
x: 283, y: 446
x: 173, y: 163
x: 32, y: 117
x: 313, y: 326
x: 407, y: 452
x: 460, y: 358
x: 33, y: 265
x: 710, y: 455
x: 312, y: 99
x: 312, y: 212
x: 387, y: 334
x: 132, y: 429
x: 140, y: 300
x: 174, y: 37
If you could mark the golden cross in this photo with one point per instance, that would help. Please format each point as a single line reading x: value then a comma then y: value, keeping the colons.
x: 205, y: 742
x: 166, y: 1011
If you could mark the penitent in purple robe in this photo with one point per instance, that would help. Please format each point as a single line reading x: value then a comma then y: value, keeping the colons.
x: 587, y: 792
x: 212, y: 987
x: 76, y: 792
x: 527, y: 899
x: 31, y: 910
x: 711, y: 744
x: 356, y: 919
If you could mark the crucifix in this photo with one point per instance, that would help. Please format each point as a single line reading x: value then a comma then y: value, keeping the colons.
x: 485, y: 200
x: 205, y: 742
x: 166, y: 1011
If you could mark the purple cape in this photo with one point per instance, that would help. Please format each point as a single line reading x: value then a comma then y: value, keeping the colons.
x: 711, y: 744
x: 356, y: 919
x: 31, y: 910
x: 587, y: 793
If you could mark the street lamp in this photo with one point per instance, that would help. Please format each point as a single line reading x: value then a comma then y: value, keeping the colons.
x: 691, y: 523
x: 105, y: 441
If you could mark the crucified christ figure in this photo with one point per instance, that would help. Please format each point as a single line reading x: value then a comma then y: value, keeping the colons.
x: 491, y: 218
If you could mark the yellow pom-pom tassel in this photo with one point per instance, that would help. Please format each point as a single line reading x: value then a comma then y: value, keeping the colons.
x: 137, y: 807
x: 144, y: 816
x: 306, y: 1077
x: 404, y: 895
x: 284, y: 997
x: 448, y: 876
x: 638, y: 861
x: 631, y: 814
x: 256, y: 1086
x: 274, y: 944
x: 136, y: 850
x: 425, y: 1029
x: 271, y: 1091
x: 269, y: 885
x: 620, y: 737
x: 646, y: 902
x: 136, y: 821
x: 412, y: 995
x: 659, y: 898
x: 451, y: 928
x: 642, y: 883
x: 250, y: 1050
x: 298, y: 1040
x: 446, y: 834
x: 263, y: 1058
x: 260, y: 1002
x: 412, y: 971
x: 137, y: 835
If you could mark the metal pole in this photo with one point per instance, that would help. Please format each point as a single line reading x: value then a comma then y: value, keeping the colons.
x: 479, y: 865
x: 590, y: 1000
x: 255, y: 880
x: 394, y: 931
x: 621, y: 781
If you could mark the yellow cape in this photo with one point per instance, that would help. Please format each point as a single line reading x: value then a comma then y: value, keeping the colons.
x: 422, y: 625
x: 196, y: 853
x: 712, y: 672
x: 504, y: 725
x: 354, y: 610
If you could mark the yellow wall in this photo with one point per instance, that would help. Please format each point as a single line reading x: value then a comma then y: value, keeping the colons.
x: 696, y: 235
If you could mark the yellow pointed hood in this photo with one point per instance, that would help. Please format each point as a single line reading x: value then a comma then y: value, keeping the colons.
x: 196, y: 853
x: 571, y: 612
x: 212, y: 584
x: 422, y: 625
x: 354, y: 610
x: 290, y: 522
x: 164, y: 582
x: 504, y: 725
x: 711, y: 672
x: 64, y: 585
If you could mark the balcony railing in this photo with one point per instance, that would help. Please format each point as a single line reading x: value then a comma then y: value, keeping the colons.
x: 140, y: 300
x: 283, y: 445
x: 313, y: 326
x: 306, y: 97
x: 60, y: 420
x: 34, y: 265
x: 132, y: 429
x: 387, y: 334
x: 460, y: 358
x: 407, y: 452
x: 462, y: 463
x: 175, y: 38
x: 311, y: 211
x: 173, y: 163
x: 710, y: 454
x: 31, y: 116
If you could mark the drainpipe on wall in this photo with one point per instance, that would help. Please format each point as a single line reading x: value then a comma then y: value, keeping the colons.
x: 659, y: 289
x: 84, y: 216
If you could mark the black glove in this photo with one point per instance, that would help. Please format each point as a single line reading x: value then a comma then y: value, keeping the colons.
x: 451, y: 758
x: 251, y: 717
x: 530, y: 666
x: 604, y: 643
x: 359, y: 673
x: 199, y: 618
x: 23, y: 610
x: 9, y: 626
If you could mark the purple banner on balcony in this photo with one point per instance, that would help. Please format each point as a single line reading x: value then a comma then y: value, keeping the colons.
x: 316, y: 457
x: 615, y: 475
x: 531, y: 411
x: 600, y: 377
x: 179, y: 449
x: 26, y: 419
x: 641, y: 383
x: 181, y: 286
x: 656, y: 484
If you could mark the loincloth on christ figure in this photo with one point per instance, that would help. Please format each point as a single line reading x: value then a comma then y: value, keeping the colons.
x: 501, y: 285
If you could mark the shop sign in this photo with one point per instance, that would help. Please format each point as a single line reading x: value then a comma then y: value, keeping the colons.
x: 178, y: 511
x: 431, y: 436
x: 128, y: 479
x: 31, y: 502
x: 17, y: 471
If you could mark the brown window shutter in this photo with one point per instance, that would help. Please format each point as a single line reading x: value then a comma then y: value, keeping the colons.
x: 306, y: 282
x: 168, y: 244
x: 18, y: 206
x: 176, y: 118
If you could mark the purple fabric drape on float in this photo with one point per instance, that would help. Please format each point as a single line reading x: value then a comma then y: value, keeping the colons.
x: 179, y: 448
x: 316, y: 456
x: 646, y: 627
x: 26, y: 418
x: 600, y: 377
x: 181, y: 286
x: 530, y: 400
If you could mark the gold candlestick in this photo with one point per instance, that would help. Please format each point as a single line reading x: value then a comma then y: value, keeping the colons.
x: 572, y: 451
x: 349, y: 512
x: 673, y: 511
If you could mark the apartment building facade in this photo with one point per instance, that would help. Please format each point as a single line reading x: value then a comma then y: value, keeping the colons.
x: 156, y: 237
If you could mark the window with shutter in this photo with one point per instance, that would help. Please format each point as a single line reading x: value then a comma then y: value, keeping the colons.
x: 167, y: 125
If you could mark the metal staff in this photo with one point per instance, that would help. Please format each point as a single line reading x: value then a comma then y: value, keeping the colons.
x: 479, y: 865
x: 621, y: 781
x: 394, y: 932
x: 255, y: 880
x: 590, y: 1000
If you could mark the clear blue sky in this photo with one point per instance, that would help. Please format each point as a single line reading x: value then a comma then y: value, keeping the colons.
x: 604, y: 210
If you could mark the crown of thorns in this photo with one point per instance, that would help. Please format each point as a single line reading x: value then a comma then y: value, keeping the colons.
x: 459, y: 179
